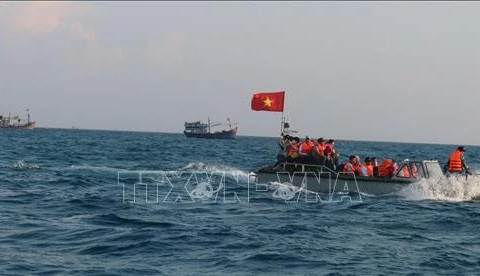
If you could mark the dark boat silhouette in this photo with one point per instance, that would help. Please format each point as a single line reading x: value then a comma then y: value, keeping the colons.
x: 199, y: 129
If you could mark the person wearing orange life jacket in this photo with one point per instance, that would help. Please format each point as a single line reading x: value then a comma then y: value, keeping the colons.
x: 305, y: 150
x: 405, y: 171
x: 348, y: 168
x: 386, y: 168
x: 358, y: 166
x: 292, y: 149
x: 329, y: 148
x: 331, y: 155
x: 352, y: 166
x: 367, y: 167
x: 318, y: 152
x: 306, y: 147
x: 456, y: 162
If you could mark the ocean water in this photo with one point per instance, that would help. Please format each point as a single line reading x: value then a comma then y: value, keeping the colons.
x: 84, y: 202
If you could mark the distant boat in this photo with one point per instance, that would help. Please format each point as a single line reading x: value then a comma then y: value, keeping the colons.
x: 16, y: 122
x: 203, y: 130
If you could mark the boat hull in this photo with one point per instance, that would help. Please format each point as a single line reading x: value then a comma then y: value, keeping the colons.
x: 230, y: 134
x: 30, y: 125
x: 324, y: 180
x: 333, y: 183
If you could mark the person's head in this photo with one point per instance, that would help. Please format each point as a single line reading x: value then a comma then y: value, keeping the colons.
x: 367, y: 160
x: 296, y: 139
x: 461, y: 148
x: 307, y: 138
x: 320, y: 140
x: 331, y: 141
x: 352, y: 159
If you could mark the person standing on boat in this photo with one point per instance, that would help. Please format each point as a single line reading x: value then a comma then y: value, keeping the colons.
x: 282, y: 152
x: 456, y: 163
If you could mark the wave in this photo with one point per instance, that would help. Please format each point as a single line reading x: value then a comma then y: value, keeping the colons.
x: 94, y: 168
x: 454, y: 188
x: 229, y: 171
x: 287, y: 191
x: 21, y: 164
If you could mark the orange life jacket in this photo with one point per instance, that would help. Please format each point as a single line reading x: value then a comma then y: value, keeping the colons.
x: 328, y: 150
x: 455, y: 162
x: 320, y: 149
x: 292, y: 151
x: 406, y: 173
x: 369, y: 170
x: 306, y: 147
x: 348, y: 168
x: 358, y: 169
x: 386, y: 168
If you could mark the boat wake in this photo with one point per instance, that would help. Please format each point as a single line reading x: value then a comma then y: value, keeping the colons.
x: 93, y: 168
x: 228, y: 171
x: 455, y: 188
x: 287, y: 191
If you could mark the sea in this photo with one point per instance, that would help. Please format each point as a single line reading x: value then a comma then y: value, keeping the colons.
x: 93, y: 202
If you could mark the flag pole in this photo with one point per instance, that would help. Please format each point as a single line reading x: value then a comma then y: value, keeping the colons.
x: 281, y: 125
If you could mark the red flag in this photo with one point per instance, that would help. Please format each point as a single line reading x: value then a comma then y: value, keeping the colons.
x: 268, y: 101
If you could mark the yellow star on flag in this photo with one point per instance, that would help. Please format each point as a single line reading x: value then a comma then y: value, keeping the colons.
x: 267, y: 102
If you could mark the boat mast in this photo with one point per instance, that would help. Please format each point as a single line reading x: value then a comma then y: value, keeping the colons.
x: 208, y: 124
x: 28, y: 112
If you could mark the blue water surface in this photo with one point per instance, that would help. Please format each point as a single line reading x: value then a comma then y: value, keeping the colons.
x: 86, y: 202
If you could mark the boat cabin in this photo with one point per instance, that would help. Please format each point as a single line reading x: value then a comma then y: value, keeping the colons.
x: 196, y: 127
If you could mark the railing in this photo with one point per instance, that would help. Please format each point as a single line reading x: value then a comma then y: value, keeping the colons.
x: 320, y: 168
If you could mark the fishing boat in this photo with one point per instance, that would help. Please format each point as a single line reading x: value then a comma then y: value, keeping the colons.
x: 16, y: 122
x: 322, y: 179
x: 199, y: 129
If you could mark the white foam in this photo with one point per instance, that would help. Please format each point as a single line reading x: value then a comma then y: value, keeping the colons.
x: 454, y: 188
x: 232, y: 172
x: 22, y: 165
x: 94, y: 168
x: 286, y: 191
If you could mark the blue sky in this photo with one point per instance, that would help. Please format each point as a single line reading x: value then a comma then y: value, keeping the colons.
x: 388, y: 71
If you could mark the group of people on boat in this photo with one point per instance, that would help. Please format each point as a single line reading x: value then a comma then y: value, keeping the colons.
x: 323, y: 153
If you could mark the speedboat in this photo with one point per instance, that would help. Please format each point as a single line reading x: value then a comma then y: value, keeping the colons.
x: 321, y: 179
